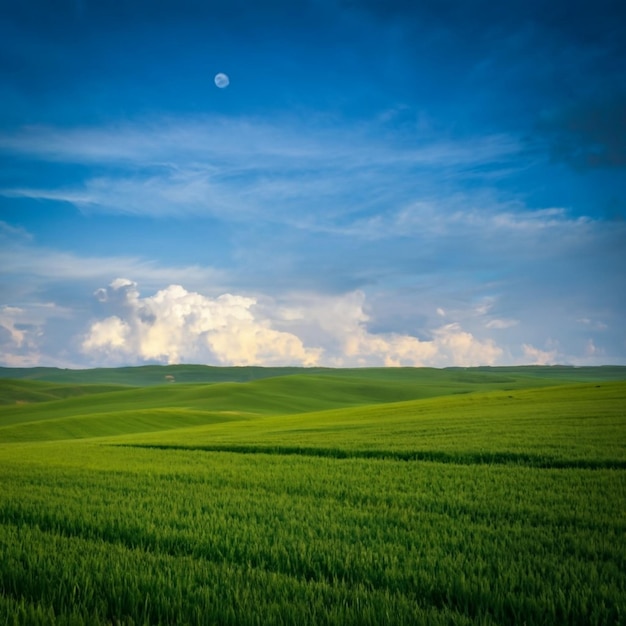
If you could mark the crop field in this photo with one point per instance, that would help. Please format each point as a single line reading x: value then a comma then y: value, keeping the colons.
x: 192, y: 495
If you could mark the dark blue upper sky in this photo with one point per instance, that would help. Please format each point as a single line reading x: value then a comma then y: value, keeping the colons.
x: 448, y: 177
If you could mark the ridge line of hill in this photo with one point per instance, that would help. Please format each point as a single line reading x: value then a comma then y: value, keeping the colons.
x: 149, y: 375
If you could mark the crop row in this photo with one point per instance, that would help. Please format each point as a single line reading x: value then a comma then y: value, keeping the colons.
x: 164, y: 536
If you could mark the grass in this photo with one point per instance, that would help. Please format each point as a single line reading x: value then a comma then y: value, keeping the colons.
x: 482, y: 496
x: 29, y: 391
x: 158, y: 374
x: 574, y: 423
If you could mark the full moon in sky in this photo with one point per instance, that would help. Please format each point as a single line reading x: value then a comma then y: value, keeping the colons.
x: 222, y: 80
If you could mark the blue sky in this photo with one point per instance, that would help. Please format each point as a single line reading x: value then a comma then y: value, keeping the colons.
x: 381, y: 183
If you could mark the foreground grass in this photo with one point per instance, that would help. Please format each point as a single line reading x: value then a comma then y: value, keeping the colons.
x: 496, y: 507
x: 145, y: 536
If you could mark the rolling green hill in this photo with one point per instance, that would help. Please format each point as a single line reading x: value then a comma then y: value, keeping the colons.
x: 36, y: 410
x: 150, y: 374
x: 438, y: 414
x: 580, y: 425
x: 303, y: 497
x: 158, y: 374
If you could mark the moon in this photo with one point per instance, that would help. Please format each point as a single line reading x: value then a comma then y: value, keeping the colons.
x: 222, y: 81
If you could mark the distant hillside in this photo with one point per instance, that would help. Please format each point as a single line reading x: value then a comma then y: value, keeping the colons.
x: 25, y: 391
x: 148, y: 375
x: 38, y: 410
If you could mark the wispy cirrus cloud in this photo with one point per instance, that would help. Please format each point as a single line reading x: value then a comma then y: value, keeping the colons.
x: 234, y: 168
x: 297, y: 143
x: 37, y: 267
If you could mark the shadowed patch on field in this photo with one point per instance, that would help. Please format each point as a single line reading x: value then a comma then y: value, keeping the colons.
x: 465, y: 458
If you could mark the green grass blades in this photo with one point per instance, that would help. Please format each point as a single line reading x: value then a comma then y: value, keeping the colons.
x: 101, y: 534
x: 458, y: 497
x: 579, y: 425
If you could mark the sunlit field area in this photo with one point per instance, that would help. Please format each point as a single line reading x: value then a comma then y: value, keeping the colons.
x: 197, y: 495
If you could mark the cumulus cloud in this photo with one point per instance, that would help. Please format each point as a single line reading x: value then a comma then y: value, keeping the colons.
x: 458, y: 347
x: 592, y: 350
x: 339, y: 324
x: 18, y: 337
x: 535, y: 356
x: 175, y: 325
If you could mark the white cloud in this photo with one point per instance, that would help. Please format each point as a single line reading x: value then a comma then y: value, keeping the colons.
x: 480, y: 216
x: 592, y: 350
x: 501, y: 324
x: 338, y: 324
x: 593, y: 324
x: 8, y: 316
x: 27, y: 338
x: 13, y: 233
x: 176, y: 325
x: 535, y: 356
x: 19, y: 334
x: 461, y: 348
x: 247, y: 141
x: 108, y: 335
x: 49, y: 265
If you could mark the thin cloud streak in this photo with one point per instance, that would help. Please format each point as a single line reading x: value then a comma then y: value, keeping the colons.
x: 295, y: 144
x: 40, y: 264
x: 309, y: 177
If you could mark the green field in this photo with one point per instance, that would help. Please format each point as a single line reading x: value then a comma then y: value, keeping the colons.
x: 313, y: 496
